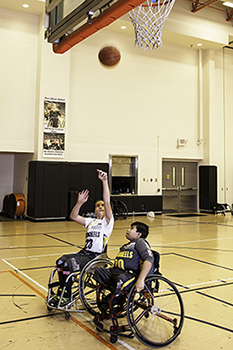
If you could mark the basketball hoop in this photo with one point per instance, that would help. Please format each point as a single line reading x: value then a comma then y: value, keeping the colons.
x: 148, y: 21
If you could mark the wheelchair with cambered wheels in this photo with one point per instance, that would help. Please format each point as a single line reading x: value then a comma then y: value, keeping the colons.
x: 82, y: 286
x: 155, y: 316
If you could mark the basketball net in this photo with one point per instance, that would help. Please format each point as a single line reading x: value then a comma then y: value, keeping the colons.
x: 148, y: 21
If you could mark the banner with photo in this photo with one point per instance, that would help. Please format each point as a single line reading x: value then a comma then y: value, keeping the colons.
x: 54, y: 127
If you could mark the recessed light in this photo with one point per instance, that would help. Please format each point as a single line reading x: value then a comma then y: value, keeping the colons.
x: 199, y: 44
x: 123, y: 27
x: 228, y: 4
x: 25, y: 5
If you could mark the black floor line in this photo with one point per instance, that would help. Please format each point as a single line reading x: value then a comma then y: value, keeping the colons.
x: 37, y: 268
x: 185, y: 215
x: 39, y: 233
x: 34, y: 247
x: 208, y: 323
x: 30, y: 318
x: 19, y: 295
x: 192, y: 222
x: 194, y: 248
x: 61, y: 240
x: 204, y: 262
x: 216, y: 299
x: 197, y: 290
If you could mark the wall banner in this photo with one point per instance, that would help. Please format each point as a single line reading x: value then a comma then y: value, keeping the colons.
x: 54, y: 127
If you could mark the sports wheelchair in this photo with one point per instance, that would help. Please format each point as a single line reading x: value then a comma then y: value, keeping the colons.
x: 80, y: 289
x: 155, y: 315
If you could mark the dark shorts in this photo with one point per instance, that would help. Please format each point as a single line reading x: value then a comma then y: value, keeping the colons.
x: 115, y: 278
x: 76, y: 261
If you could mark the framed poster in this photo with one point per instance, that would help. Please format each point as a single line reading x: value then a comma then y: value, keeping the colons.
x: 54, y: 127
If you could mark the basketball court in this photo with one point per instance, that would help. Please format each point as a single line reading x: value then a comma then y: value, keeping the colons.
x: 195, y: 250
x: 196, y: 254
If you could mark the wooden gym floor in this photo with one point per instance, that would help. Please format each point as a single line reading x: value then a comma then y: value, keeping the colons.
x: 196, y: 252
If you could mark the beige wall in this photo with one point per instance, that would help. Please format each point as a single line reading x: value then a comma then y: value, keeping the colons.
x: 141, y: 107
x: 148, y: 101
x: 18, y: 62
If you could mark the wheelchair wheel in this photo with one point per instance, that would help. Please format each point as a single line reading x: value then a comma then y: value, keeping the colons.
x: 120, y: 209
x: 87, y: 285
x: 156, y: 314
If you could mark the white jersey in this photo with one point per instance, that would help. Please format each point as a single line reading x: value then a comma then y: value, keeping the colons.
x: 98, y: 233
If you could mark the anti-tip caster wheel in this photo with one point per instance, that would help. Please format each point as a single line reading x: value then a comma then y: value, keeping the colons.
x: 67, y: 316
x: 113, y: 339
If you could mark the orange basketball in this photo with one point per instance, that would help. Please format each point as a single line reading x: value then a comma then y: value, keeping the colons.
x: 109, y: 56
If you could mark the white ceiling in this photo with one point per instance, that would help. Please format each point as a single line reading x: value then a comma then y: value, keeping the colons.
x: 37, y: 7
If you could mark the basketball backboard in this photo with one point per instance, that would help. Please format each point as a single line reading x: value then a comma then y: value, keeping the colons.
x: 68, y: 22
x: 65, y: 16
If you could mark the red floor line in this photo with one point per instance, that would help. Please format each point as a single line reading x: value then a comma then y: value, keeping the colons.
x: 80, y: 324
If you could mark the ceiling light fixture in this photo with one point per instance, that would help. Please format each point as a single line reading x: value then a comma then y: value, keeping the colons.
x: 228, y: 4
x: 200, y: 44
x: 25, y: 5
x: 123, y: 27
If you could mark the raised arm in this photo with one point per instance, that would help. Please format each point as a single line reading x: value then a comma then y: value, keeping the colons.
x: 106, y: 195
x: 82, y: 198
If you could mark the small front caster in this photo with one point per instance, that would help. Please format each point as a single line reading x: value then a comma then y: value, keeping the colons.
x: 67, y: 316
x: 113, y: 339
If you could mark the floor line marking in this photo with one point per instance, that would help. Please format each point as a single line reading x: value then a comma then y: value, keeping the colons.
x: 208, y: 323
x: 24, y: 274
x: 187, y: 287
x: 160, y: 245
x: 80, y: 324
x: 37, y: 256
x: 45, y: 255
x: 110, y: 346
x: 202, y: 261
x: 208, y: 282
x: 196, y: 241
x: 119, y: 340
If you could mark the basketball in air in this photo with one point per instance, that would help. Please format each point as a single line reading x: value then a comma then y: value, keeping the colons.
x: 109, y: 56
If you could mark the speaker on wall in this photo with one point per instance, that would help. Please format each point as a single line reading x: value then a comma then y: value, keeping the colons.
x: 207, y: 186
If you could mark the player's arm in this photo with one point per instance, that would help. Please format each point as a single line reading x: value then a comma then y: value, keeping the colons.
x: 82, y: 198
x: 106, y: 194
x: 146, y: 266
x: 146, y: 255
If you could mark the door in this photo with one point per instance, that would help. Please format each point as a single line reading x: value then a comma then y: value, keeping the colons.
x: 179, y: 187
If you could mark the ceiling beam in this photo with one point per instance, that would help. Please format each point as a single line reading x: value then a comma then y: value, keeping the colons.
x: 197, y: 5
x: 229, y: 15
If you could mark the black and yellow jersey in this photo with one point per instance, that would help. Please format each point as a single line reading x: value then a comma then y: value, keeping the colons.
x: 133, y: 254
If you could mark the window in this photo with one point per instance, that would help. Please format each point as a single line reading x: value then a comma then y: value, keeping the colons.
x: 123, y: 174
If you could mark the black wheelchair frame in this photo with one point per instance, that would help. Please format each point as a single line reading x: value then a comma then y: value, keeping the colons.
x: 78, y: 289
x: 155, y: 315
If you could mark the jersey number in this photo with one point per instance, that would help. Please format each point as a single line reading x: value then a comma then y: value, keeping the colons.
x: 89, y: 243
x: 119, y: 263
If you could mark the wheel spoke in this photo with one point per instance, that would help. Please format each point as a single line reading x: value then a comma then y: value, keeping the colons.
x: 150, y: 313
